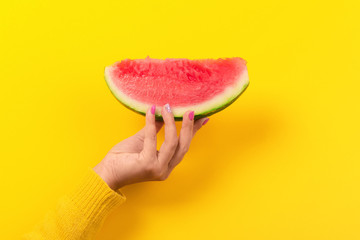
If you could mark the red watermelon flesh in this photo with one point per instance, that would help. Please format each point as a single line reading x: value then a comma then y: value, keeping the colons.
x: 205, y: 86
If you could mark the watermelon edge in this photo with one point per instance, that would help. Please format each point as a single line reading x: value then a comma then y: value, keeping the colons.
x: 203, y: 114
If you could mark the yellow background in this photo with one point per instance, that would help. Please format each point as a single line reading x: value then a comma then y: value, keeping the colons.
x: 282, y: 162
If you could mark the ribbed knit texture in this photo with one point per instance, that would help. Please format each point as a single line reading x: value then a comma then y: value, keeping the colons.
x: 79, y: 214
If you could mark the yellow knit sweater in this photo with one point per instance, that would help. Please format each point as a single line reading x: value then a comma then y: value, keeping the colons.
x: 79, y: 214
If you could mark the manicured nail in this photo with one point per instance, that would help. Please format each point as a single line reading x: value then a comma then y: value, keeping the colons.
x: 167, y: 107
x: 153, y: 109
x: 206, y: 120
x: 191, y: 115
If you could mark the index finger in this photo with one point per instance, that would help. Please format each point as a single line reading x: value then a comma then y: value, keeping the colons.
x: 168, y: 148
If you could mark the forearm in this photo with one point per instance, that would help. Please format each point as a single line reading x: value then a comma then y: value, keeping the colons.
x: 79, y: 214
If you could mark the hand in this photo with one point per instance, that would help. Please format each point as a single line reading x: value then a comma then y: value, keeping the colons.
x: 136, y: 159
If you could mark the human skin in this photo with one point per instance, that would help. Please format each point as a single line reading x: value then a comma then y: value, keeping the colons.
x: 136, y: 159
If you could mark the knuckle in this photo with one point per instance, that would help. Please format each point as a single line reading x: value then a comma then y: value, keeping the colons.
x: 162, y: 177
x: 152, y: 170
x: 148, y: 169
x: 184, y: 148
x: 148, y: 159
x: 188, y: 126
x: 156, y: 172
x: 173, y: 143
x: 162, y: 173
x: 153, y: 137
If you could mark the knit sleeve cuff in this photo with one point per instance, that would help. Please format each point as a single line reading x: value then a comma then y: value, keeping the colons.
x: 94, y: 198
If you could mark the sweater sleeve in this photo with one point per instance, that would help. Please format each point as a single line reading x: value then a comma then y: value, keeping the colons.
x: 81, y: 213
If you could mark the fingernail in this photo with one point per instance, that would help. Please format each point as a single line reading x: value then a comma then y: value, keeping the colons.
x: 206, y: 120
x: 153, y: 109
x: 191, y: 115
x: 167, y: 107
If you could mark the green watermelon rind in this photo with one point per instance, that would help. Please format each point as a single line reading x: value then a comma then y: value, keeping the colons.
x: 221, y: 106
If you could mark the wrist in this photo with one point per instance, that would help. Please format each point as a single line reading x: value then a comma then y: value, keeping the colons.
x: 106, y: 174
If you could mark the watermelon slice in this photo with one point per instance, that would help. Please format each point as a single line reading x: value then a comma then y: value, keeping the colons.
x: 205, y: 86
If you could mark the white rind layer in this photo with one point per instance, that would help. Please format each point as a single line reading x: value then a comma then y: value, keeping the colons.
x: 228, y: 95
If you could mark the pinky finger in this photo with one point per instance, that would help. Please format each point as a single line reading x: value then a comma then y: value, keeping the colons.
x: 199, y: 123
